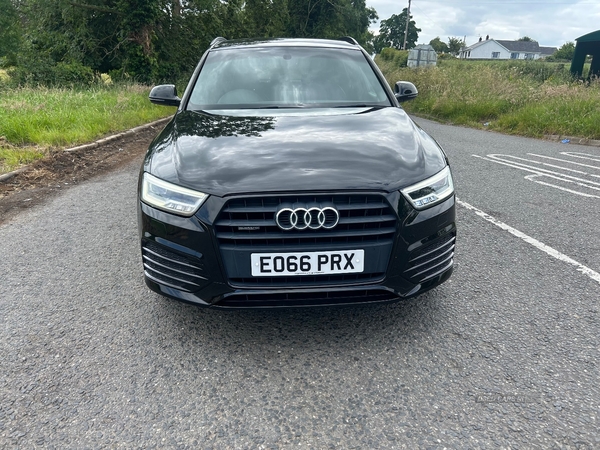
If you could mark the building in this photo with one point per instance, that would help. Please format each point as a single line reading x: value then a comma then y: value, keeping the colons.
x: 501, y: 49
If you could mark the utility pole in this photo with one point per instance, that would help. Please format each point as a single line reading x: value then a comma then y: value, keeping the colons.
x: 406, y: 29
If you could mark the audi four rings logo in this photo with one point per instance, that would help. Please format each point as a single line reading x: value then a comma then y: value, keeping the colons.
x: 303, y: 218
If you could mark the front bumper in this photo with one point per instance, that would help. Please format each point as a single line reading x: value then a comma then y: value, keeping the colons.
x: 190, y: 259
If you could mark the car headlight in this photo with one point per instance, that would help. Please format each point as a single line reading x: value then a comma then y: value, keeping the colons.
x: 433, y: 190
x: 170, y: 197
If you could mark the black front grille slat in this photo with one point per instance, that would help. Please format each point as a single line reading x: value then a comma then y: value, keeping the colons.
x: 361, y: 206
x: 170, y: 268
x: 428, y: 261
x: 433, y: 248
x: 306, y: 247
x: 353, y: 278
x: 247, y: 224
x: 167, y: 256
x: 431, y: 260
x: 309, y: 234
x: 439, y: 270
x: 173, y: 268
x: 174, y: 277
x: 433, y: 265
x: 249, y: 209
x: 237, y: 300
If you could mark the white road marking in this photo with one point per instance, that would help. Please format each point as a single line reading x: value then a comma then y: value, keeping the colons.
x: 564, y: 160
x: 583, y: 194
x: 538, y: 172
x: 537, y: 244
x: 582, y: 156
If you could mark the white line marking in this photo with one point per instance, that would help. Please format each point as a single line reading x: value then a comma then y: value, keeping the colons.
x: 580, y: 172
x: 544, y: 172
x: 582, y: 156
x: 564, y: 160
x: 531, y: 178
x: 517, y: 165
x: 537, y: 244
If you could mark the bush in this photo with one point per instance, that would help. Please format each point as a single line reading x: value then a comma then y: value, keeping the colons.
x: 398, y: 57
x: 46, y: 73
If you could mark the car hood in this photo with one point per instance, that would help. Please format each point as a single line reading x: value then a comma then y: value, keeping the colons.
x: 333, y: 149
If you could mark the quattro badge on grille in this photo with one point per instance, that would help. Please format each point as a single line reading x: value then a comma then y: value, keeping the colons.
x: 303, y: 218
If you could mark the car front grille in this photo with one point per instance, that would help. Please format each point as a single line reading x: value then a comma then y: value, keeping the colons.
x: 340, y: 297
x: 247, y: 225
x: 310, y: 280
x: 170, y: 268
x: 431, y: 260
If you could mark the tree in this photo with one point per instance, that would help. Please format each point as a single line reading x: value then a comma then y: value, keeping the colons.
x: 266, y: 18
x: 565, y: 52
x: 10, y: 32
x: 526, y: 39
x: 391, y: 32
x: 331, y: 19
x: 438, y: 45
x: 159, y: 40
x: 455, y: 45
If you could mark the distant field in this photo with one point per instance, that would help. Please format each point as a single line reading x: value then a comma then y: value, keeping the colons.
x: 528, y: 98
x: 34, y: 120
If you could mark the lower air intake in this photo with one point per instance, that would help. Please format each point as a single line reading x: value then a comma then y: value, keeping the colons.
x: 431, y: 260
x: 172, y: 269
x: 287, y: 299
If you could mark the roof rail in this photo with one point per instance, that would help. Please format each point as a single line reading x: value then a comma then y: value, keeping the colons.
x: 217, y: 40
x: 348, y: 39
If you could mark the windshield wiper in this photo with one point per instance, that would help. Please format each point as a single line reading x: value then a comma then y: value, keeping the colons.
x: 360, y: 105
x: 278, y: 107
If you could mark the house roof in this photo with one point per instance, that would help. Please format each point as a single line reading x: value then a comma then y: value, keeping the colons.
x: 523, y: 46
x: 548, y: 50
x: 520, y: 46
x: 476, y: 44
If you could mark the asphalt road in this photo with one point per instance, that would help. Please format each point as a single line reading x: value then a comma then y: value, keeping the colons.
x: 504, y: 355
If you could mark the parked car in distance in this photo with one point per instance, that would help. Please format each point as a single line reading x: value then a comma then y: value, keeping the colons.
x: 291, y: 176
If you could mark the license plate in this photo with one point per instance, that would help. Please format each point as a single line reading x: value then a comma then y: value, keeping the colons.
x: 309, y: 263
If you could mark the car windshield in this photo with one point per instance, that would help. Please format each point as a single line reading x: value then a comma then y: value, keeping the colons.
x: 286, y: 77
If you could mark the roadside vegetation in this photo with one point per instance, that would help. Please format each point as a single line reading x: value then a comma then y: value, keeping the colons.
x: 529, y: 98
x: 35, y: 121
x: 53, y: 52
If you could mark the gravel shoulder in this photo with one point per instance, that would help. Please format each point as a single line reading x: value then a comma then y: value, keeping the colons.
x: 60, y: 170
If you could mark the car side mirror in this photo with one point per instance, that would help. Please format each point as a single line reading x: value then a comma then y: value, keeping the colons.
x: 164, y: 94
x: 405, y: 90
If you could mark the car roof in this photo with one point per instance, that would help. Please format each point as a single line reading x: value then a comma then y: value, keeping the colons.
x: 222, y: 44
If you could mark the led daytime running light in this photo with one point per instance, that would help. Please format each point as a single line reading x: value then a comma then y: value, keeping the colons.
x: 430, y: 191
x: 170, y: 197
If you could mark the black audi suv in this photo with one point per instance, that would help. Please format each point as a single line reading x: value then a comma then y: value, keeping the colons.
x: 291, y: 176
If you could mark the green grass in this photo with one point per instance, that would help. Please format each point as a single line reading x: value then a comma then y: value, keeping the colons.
x: 34, y: 120
x: 528, y: 98
x: 12, y: 158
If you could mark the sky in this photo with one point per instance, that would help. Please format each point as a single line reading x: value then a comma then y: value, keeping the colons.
x: 550, y: 22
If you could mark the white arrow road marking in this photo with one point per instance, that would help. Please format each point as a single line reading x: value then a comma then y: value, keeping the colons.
x: 537, y: 244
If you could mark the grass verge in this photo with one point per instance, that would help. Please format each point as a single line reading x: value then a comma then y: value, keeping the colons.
x: 34, y: 121
x: 527, y: 98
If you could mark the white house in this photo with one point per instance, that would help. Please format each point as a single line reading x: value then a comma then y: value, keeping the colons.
x: 499, y: 49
